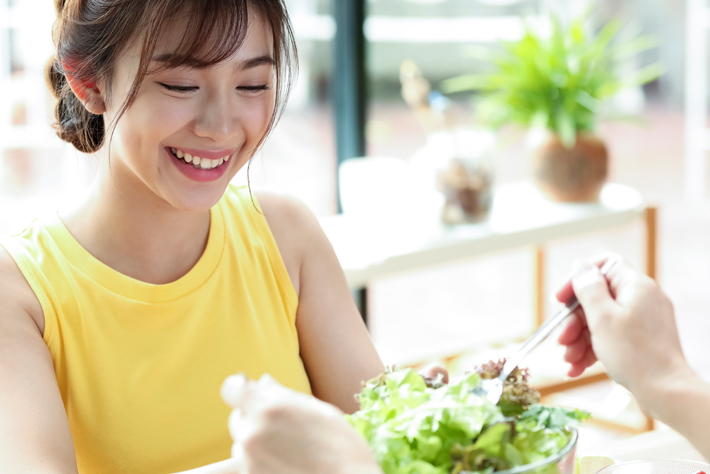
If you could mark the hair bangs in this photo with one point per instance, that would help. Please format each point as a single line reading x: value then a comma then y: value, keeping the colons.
x: 213, y: 32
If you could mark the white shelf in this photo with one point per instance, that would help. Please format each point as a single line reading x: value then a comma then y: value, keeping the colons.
x: 375, y: 246
x: 665, y: 444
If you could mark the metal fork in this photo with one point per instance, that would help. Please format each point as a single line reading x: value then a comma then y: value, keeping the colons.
x: 492, y: 389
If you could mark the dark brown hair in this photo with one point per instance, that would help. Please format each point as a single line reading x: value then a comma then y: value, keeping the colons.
x: 89, y: 35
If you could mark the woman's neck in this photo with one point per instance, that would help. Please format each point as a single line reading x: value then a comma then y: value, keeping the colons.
x: 136, y: 232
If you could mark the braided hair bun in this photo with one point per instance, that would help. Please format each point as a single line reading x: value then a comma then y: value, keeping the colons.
x: 75, y: 124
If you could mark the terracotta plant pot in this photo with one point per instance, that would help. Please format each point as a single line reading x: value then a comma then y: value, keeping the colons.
x: 571, y: 175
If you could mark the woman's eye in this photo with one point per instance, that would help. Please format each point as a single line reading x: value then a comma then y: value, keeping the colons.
x: 179, y: 89
x: 253, y: 89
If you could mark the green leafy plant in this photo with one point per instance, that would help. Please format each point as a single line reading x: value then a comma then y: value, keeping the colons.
x: 557, y: 82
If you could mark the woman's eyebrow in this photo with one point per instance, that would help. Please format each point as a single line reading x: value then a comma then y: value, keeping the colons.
x: 246, y: 64
x: 257, y: 61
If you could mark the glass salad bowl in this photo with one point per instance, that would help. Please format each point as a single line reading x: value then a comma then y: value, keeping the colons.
x: 560, y: 463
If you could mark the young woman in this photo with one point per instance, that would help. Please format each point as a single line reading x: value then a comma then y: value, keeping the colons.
x: 121, y: 318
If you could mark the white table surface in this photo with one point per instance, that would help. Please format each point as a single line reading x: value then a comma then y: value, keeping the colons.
x: 665, y: 444
x: 374, y: 245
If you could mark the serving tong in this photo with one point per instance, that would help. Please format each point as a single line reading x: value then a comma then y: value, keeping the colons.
x: 492, y: 389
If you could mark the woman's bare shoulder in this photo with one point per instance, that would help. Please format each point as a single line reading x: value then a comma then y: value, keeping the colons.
x: 289, y: 219
x: 16, y: 293
x: 284, y: 208
x: 295, y: 228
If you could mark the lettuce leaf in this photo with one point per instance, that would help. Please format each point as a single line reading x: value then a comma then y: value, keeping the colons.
x: 416, y: 429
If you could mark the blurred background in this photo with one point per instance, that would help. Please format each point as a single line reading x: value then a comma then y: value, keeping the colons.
x: 348, y: 102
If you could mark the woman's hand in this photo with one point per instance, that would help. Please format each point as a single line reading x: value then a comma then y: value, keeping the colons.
x: 626, y: 322
x: 278, y: 430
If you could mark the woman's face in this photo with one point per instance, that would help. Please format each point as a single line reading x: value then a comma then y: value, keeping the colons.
x: 185, y: 116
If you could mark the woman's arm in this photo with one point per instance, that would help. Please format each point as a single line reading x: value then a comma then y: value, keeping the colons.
x: 682, y: 401
x: 628, y: 323
x: 34, y: 431
x: 335, y: 346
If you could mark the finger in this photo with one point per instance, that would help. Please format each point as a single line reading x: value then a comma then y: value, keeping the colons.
x: 578, y: 349
x: 237, y: 424
x: 228, y: 466
x: 566, y: 292
x: 601, y: 259
x: 234, y: 390
x: 432, y: 371
x: 239, y: 457
x: 249, y: 396
x: 240, y: 429
x: 571, y: 330
x: 269, y: 392
x: 589, y: 359
x: 576, y: 370
x: 592, y: 291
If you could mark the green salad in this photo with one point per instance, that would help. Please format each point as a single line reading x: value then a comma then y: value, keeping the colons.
x: 422, y: 427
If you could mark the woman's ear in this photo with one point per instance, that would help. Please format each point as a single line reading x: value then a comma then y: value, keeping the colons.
x: 86, y: 91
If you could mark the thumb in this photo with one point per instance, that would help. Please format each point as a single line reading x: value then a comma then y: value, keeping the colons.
x: 271, y: 392
x: 236, y: 390
x: 592, y: 291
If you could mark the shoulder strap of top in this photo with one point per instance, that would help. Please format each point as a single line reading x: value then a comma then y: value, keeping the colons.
x: 244, y: 219
x: 39, y: 260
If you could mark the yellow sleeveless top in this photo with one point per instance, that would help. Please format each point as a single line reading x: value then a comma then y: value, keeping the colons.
x: 139, y: 366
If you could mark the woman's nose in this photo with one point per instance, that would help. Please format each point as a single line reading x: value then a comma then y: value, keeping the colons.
x: 218, y: 118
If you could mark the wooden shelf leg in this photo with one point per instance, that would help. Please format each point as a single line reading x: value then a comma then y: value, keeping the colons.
x: 650, y: 219
x: 651, y: 242
x: 651, y: 264
x: 539, y: 286
x: 650, y: 424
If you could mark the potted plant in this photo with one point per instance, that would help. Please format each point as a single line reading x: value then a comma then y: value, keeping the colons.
x: 559, y: 82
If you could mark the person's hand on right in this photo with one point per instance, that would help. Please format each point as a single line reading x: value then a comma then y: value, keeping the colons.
x: 626, y: 322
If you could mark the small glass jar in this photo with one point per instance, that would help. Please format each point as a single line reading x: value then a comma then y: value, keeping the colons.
x: 466, y: 177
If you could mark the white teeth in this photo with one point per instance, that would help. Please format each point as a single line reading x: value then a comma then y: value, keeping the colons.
x: 197, y: 162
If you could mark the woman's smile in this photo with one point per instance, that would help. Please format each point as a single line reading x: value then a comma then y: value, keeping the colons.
x: 200, y: 165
